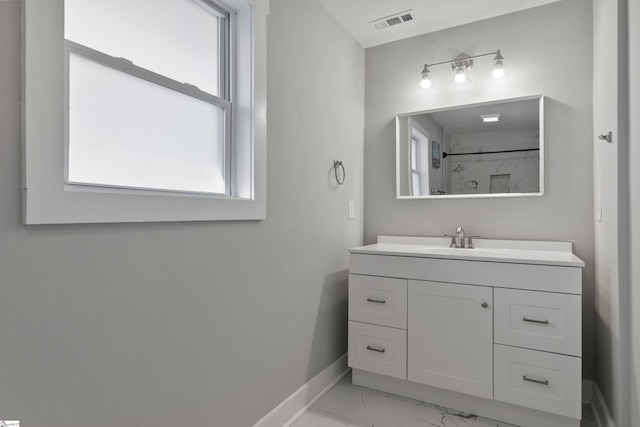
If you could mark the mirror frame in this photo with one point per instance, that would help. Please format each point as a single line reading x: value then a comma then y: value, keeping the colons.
x: 541, y: 124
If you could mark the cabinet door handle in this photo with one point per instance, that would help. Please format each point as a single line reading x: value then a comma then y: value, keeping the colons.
x: 533, y: 380
x: 484, y: 305
x: 376, y: 349
x: 542, y: 322
x: 377, y: 301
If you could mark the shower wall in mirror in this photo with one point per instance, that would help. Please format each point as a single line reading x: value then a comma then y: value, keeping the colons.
x: 492, y: 149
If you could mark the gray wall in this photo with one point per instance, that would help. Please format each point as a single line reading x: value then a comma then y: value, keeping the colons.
x: 616, y: 180
x: 616, y: 47
x: 609, y: 294
x: 535, y: 44
x: 193, y: 324
x: 634, y: 211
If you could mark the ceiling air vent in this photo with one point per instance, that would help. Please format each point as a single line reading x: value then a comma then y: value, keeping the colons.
x: 391, y: 20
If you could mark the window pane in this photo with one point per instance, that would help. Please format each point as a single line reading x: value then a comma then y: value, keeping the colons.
x: 415, y: 184
x: 128, y: 132
x: 414, y: 154
x: 175, y: 38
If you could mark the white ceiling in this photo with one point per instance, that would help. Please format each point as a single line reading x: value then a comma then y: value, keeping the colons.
x: 514, y: 115
x: 430, y: 15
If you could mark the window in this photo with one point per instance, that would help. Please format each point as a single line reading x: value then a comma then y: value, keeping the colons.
x: 419, y: 141
x: 161, y: 115
x: 148, y: 104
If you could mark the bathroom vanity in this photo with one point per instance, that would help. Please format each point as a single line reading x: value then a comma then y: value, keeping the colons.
x: 494, y: 331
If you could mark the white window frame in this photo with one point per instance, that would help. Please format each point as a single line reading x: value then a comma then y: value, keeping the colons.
x: 421, y: 172
x: 47, y: 199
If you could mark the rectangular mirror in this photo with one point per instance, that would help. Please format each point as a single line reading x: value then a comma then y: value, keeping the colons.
x: 492, y: 149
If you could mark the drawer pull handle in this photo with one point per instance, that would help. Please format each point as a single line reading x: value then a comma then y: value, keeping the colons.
x: 533, y: 380
x: 542, y: 322
x: 376, y: 349
x: 377, y: 301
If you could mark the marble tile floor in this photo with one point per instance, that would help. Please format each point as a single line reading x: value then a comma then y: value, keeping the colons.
x: 348, y: 405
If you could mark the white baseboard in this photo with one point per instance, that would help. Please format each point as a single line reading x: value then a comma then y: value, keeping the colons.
x: 600, y: 409
x: 292, y: 408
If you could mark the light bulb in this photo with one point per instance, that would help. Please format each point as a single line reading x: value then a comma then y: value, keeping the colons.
x: 460, y: 76
x: 498, y: 66
x: 426, y: 81
x: 498, y: 73
x: 426, y: 77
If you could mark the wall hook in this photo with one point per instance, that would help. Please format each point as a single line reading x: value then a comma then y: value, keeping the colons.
x: 607, y: 137
x: 338, y: 164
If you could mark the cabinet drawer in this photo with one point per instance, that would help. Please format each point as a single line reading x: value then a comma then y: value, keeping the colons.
x: 378, y: 349
x: 378, y: 300
x: 535, y: 379
x: 538, y: 320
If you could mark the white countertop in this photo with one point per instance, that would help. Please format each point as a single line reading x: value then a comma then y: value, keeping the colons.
x: 507, y: 251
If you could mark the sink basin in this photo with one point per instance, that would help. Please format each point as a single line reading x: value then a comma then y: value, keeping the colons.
x: 459, y: 251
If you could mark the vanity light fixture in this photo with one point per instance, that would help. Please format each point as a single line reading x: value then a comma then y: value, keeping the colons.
x: 461, y: 65
x: 488, y: 118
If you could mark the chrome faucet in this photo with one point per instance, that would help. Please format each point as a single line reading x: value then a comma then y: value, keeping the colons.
x: 459, y: 240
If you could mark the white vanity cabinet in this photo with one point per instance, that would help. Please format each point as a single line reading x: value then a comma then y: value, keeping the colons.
x: 495, y: 330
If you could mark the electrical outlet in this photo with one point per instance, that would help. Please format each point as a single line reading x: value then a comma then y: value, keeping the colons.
x: 352, y: 209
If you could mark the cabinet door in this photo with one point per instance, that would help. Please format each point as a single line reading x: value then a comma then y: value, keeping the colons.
x: 450, y: 336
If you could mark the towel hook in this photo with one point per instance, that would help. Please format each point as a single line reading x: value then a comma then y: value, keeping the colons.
x: 338, y: 164
x: 607, y: 137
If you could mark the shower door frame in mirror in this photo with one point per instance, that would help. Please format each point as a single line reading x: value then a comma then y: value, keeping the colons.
x: 508, y: 158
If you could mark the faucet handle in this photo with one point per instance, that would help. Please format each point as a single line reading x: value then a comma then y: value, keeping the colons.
x: 469, y: 242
